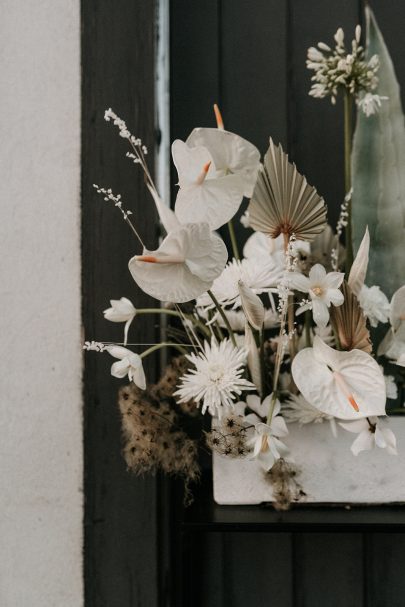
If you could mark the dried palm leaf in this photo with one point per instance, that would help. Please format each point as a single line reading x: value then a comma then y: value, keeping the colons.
x: 283, y: 202
x: 349, y: 323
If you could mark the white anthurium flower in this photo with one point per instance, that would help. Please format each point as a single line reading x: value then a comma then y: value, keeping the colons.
x: 231, y: 155
x: 259, y: 275
x: 216, y: 379
x: 203, y: 197
x: 370, y: 435
x: 122, y: 310
x: 266, y: 443
x: 129, y: 364
x: 260, y: 246
x: 183, y: 267
x: 374, y: 304
x: 346, y: 385
x: 323, y: 289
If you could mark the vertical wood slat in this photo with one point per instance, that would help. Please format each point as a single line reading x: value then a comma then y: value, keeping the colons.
x: 120, y: 513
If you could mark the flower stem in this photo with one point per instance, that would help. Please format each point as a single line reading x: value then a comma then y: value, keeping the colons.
x: 262, y: 363
x: 234, y: 242
x: 189, y: 317
x: 348, y: 108
x: 163, y: 345
x: 223, y: 316
x: 307, y: 328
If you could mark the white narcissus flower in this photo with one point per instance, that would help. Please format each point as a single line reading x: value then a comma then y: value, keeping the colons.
x: 183, y: 267
x: 374, y: 304
x: 323, y: 289
x: 232, y: 155
x: 370, y: 435
x: 129, y: 364
x: 122, y: 310
x: 203, y: 197
x: 347, y: 385
x: 216, y: 379
x: 266, y: 443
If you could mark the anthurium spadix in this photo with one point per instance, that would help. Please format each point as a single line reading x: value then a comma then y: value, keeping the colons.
x: 183, y: 267
x: 347, y: 385
x: 232, y: 155
x: 204, y: 196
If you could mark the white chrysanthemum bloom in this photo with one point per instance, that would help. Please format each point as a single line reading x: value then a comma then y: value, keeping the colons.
x: 323, y: 289
x: 370, y: 104
x: 216, y: 379
x: 259, y: 275
x: 296, y: 409
x: 370, y: 435
x: 183, y: 267
x: 374, y: 304
x: 265, y: 442
x: 129, y: 364
x: 122, y: 310
x: 232, y: 155
x: 204, y: 196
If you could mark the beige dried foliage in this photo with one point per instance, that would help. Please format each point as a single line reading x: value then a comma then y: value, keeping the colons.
x: 286, y: 488
x: 228, y: 437
x: 283, y: 202
x: 349, y: 323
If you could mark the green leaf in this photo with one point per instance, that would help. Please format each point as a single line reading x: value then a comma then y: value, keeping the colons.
x: 378, y: 174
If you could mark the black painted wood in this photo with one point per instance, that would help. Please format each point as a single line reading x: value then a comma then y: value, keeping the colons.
x: 121, y: 565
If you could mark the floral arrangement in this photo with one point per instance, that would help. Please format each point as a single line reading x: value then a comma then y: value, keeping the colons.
x: 282, y: 331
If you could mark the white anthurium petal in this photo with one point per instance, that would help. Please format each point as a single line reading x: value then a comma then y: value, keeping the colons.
x: 333, y: 280
x: 364, y: 442
x: 279, y: 427
x: 337, y: 383
x: 167, y: 217
x: 189, y: 162
x: 317, y: 275
x: 214, y: 201
x: 298, y: 281
x: 386, y: 343
x: 356, y: 426
x: 253, y: 358
x: 120, y: 368
x: 201, y: 257
x: 252, y: 306
x: 118, y: 351
x: 320, y: 312
x: 260, y: 245
x: 230, y: 152
x: 358, y: 270
x: 397, y: 308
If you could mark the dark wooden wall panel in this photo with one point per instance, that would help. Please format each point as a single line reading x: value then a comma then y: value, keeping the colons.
x: 121, y: 564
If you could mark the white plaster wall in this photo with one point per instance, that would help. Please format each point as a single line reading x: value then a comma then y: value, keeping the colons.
x: 40, y: 374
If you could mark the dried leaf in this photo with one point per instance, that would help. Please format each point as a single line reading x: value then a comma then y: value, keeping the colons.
x: 252, y: 305
x: 358, y: 270
x: 283, y: 202
x: 349, y: 323
x: 253, y: 359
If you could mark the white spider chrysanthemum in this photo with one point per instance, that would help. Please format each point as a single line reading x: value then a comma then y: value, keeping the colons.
x: 298, y: 410
x: 217, y: 377
x: 370, y: 104
x: 259, y: 275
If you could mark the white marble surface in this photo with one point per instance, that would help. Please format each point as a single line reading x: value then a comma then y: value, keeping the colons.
x: 330, y: 473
